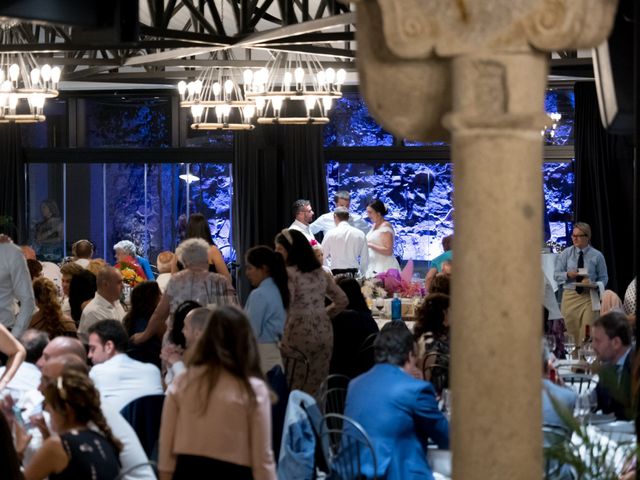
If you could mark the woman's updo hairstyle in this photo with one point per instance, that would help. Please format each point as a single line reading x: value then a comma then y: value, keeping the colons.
x: 378, y: 206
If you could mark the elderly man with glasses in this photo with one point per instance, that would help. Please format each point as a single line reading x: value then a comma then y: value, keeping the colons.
x: 580, y: 263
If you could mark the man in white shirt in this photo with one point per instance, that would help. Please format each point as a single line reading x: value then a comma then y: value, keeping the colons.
x: 345, y: 247
x: 106, y: 302
x: 325, y: 222
x: 15, y: 284
x: 303, y: 214
x: 119, y: 378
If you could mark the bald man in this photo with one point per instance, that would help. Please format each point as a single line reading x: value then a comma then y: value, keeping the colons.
x: 132, y: 454
x: 106, y: 303
x: 194, y: 324
x: 61, y: 346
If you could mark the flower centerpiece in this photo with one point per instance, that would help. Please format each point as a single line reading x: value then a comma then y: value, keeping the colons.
x: 132, y: 273
x: 395, y: 281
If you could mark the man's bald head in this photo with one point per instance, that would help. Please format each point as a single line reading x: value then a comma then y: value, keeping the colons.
x: 194, y: 324
x: 109, y: 282
x: 57, y: 365
x: 62, y: 346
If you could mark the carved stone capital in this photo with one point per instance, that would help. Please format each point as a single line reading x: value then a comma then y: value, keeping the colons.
x: 405, y: 48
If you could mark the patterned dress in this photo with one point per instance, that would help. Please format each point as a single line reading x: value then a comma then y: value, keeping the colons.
x: 308, y: 326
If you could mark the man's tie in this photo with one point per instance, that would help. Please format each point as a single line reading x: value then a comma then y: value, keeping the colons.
x: 580, y: 265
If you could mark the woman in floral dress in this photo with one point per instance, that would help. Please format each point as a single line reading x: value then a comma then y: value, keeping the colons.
x: 308, y: 326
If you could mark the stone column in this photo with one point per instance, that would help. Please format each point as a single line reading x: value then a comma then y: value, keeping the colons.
x: 478, y: 67
x: 496, y: 309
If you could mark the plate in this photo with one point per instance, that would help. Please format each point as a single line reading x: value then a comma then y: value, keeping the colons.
x: 600, y: 418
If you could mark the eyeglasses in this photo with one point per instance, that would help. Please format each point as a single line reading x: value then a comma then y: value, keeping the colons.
x: 578, y: 236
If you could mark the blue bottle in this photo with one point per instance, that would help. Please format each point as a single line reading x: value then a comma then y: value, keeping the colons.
x: 396, y: 308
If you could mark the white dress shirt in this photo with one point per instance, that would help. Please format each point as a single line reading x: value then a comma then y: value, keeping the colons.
x: 325, y: 222
x: 301, y: 227
x: 98, y: 309
x: 121, y: 379
x: 23, y: 388
x: 15, y: 283
x: 346, y: 247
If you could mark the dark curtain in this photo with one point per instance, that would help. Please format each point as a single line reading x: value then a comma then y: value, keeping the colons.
x: 273, y: 166
x: 12, y: 186
x: 604, y: 187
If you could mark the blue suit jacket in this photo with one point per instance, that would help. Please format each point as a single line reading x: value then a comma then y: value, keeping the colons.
x: 399, y: 413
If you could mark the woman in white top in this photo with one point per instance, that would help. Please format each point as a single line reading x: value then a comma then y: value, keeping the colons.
x: 380, y: 239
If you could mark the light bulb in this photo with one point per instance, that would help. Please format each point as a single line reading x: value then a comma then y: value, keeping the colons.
x: 277, y: 103
x: 6, y: 86
x: 182, y: 87
x: 321, y: 78
x: 287, y: 80
x: 260, y: 103
x: 218, y: 110
x: 1, y: 76
x: 310, y: 102
x: 35, y: 77
x: 191, y: 88
x: 216, y: 89
x: 55, y: 75
x: 228, y: 87
x: 225, y: 109
x: 45, y: 71
x: 326, y: 103
x: 13, y: 101
x: 341, y: 76
x: 299, y: 74
x: 249, y: 111
x: 196, y: 111
x: 331, y: 75
x: 248, y: 76
x: 197, y: 87
x: 38, y: 101
x: 14, y: 72
x: 261, y: 76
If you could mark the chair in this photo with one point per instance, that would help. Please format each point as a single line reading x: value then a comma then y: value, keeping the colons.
x: 295, y: 362
x: 144, y: 415
x: 579, y: 382
x: 333, y: 400
x: 348, y: 450
x: 137, y: 468
x: 435, y: 369
x: 335, y: 380
x: 555, y: 439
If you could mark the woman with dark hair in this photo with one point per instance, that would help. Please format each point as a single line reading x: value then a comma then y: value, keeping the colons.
x: 351, y: 328
x: 49, y: 317
x: 431, y: 331
x: 172, y: 351
x: 144, y: 299
x: 308, y: 327
x: 217, y: 415
x: 8, y: 456
x: 198, y: 227
x: 77, y: 451
x: 82, y: 289
x: 380, y: 239
x: 267, y: 304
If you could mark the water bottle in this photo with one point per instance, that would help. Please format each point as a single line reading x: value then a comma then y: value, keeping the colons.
x: 396, y: 307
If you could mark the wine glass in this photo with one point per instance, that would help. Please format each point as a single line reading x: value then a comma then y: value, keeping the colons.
x: 569, y: 345
x: 589, y: 354
x: 379, y: 304
x: 446, y: 401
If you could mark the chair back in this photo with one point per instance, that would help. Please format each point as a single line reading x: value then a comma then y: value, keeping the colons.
x: 579, y: 382
x: 348, y: 450
x: 435, y: 369
x: 144, y: 415
x: 137, y: 469
x: 333, y: 400
x: 296, y: 366
x: 554, y: 437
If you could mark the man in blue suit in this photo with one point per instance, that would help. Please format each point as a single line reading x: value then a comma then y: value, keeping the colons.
x: 398, y: 412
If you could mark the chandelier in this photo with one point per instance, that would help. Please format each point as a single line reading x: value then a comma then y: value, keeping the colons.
x: 294, y: 89
x: 24, y: 86
x: 217, y: 101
